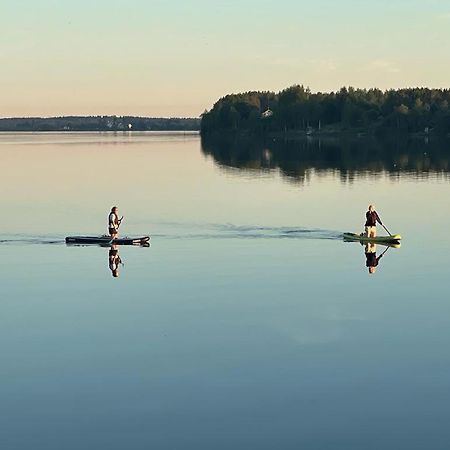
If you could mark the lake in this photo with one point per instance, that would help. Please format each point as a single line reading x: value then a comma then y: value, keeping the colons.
x: 248, y: 323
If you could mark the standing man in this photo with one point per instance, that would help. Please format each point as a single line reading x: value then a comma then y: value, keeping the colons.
x: 114, y: 222
x: 371, y: 222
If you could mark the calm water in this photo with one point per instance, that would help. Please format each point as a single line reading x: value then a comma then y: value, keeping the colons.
x: 248, y: 323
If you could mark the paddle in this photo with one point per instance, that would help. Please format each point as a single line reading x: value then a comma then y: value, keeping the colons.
x: 387, y: 248
x: 390, y: 234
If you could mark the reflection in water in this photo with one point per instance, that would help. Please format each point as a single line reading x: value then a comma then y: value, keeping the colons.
x: 371, y: 257
x: 351, y: 157
x: 372, y: 261
x: 114, y: 260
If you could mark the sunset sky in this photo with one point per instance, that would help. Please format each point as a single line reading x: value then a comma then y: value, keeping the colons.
x: 161, y: 58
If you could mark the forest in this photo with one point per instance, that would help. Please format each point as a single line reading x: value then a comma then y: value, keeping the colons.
x: 99, y: 123
x: 297, y: 109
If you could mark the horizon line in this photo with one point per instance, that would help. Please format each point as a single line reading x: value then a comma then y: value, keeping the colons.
x: 97, y: 115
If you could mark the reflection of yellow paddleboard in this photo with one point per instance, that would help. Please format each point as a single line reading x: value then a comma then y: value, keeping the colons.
x: 382, y: 244
x: 394, y: 239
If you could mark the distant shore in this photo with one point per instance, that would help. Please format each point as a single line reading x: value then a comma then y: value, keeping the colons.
x: 98, y: 123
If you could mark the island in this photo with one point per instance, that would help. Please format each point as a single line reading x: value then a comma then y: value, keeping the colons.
x: 298, y: 110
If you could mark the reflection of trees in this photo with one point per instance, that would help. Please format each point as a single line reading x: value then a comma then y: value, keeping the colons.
x: 351, y: 158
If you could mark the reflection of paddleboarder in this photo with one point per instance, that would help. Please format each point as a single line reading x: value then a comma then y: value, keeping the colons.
x: 371, y: 257
x: 114, y: 260
x: 114, y: 222
x: 370, y: 250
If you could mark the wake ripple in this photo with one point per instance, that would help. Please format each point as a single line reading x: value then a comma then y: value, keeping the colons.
x: 230, y: 231
x: 200, y: 231
x: 31, y: 240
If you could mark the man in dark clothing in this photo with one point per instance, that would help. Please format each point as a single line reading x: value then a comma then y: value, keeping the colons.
x: 371, y: 222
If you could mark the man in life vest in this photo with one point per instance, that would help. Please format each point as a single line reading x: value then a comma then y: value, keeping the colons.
x: 114, y: 222
x: 371, y: 222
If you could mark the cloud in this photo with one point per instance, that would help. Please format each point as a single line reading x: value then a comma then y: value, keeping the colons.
x: 327, y: 65
x: 380, y: 65
x: 286, y: 62
x: 323, y: 65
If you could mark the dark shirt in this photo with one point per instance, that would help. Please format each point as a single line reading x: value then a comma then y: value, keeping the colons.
x: 372, y: 218
x: 372, y: 260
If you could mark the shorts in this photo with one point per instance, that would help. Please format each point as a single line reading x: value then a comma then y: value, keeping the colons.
x: 370, y: 231
x: 112, y: 231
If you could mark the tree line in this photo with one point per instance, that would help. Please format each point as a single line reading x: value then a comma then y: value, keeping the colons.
x: 99, y: 123
x: 411, y: 110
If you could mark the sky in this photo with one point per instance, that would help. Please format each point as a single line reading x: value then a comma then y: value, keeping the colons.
x: 176, y: 58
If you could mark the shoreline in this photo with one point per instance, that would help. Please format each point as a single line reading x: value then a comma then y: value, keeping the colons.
x: 328, y: 134
x: 179, y: 132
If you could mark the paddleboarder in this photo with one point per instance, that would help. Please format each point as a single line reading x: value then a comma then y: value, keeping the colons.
x: 372, y: 218
x: 114, y: 222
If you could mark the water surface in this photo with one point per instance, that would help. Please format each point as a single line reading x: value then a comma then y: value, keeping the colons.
x: 248, y: 323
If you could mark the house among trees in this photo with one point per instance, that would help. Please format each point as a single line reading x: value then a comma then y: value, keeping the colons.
x: 267, y: 113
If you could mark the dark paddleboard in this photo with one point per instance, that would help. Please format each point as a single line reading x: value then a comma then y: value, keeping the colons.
x: 106, y: 240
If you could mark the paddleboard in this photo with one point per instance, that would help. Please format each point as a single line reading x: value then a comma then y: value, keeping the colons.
x: 106, y: 240
x: 394, y: 239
